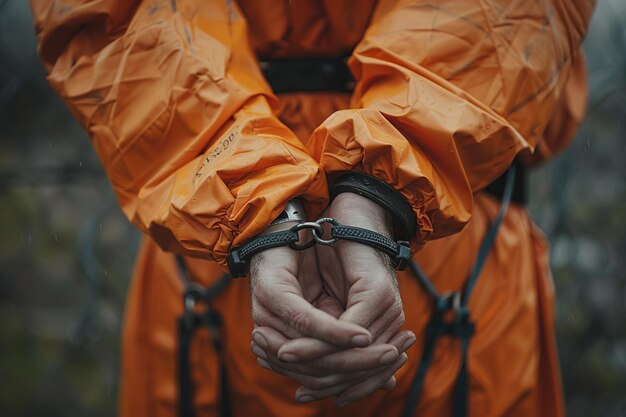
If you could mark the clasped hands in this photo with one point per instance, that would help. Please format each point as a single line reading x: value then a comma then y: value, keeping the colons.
x: 331, y: 317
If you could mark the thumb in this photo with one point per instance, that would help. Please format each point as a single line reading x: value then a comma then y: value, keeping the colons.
x: 374, y: 298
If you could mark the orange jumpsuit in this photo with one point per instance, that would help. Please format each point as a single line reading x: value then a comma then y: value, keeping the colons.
x: 202, y: 155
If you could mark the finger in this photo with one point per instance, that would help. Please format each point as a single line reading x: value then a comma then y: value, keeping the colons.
x: 306, y: 320
x: 330, y: 305
x: 370, y: 385
x: 373, y: 285
x: 317, y: 382
x: 309, y: 321
x: 307, y: 349
x: 330, y: 384
x: 376, y: 301
x: 354, y: 360
x: 388, y: 324
x: 306, y: 394
x: 273, y: 341
x: 300, y: 316
x: 390, y: 384
x: 403, y: 340
x: 305, y: 372
x: 269, y: 339
x: 262, y: 318
x: 275, y: 286
x: 343, y: 362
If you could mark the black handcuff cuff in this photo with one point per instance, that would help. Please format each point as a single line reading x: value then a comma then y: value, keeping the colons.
x: 370, y: 187
x: 239, y: 257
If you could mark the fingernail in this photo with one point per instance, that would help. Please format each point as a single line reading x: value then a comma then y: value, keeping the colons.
x: 390, y: 384
x: 305, y: 399
x: 388, y: 358
x: 410, y: 342
x: 259, y: 340
x: 259, y: 352
x: 287, y: 357
x: 360, y: 341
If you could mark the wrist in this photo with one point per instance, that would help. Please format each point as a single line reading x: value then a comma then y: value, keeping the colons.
x: 353, y: 209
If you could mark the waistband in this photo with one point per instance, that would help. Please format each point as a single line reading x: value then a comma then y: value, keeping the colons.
x: 308, y: 74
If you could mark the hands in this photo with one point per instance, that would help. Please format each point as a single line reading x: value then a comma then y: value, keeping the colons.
x: 331, y: 318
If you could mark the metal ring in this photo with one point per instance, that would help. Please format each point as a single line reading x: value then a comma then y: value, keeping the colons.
x: 456, y: 301
x: 307, y: 225
x: 444, y: 302
x: 315, y: 227
x: 327, y: 220
x: 190, y: 302
x: 303, y: 246
x: 318, y: 234
x: 193, y: 294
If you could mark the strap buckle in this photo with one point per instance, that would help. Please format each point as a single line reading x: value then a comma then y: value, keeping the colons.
x: 461, y: 325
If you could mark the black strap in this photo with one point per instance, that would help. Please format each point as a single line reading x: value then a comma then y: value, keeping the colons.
x: 185, y: 332
x: 461, y: 327
x: 239, y: 256
x: 188, y: 322
x: 399, y: 252
x: 487, y: 243
x: 308, y: 74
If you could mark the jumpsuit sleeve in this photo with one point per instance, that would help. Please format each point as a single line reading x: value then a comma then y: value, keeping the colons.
x: 180, y: 115
x: 447, y: 94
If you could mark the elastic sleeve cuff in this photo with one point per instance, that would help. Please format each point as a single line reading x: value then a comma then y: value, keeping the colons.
x: 378, y: 191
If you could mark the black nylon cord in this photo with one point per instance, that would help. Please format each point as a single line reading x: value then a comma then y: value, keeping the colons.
x: 462, y: 327
x: 188, y: 322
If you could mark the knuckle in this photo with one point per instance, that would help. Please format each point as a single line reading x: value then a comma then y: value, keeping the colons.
x: 317, y: 384
x: 301, y: 322
x: 312, y: 383
x: 339, y: 364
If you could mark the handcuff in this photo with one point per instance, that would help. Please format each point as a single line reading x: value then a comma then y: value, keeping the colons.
x: 399, y: 252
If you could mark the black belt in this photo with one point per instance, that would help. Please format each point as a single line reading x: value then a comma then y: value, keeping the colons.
x: 308, y: 74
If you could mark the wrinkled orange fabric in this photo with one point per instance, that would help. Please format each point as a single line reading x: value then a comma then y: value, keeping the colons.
x: 202, y: 155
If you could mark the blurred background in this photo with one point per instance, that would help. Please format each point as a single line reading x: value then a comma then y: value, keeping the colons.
x: 66, y: 251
